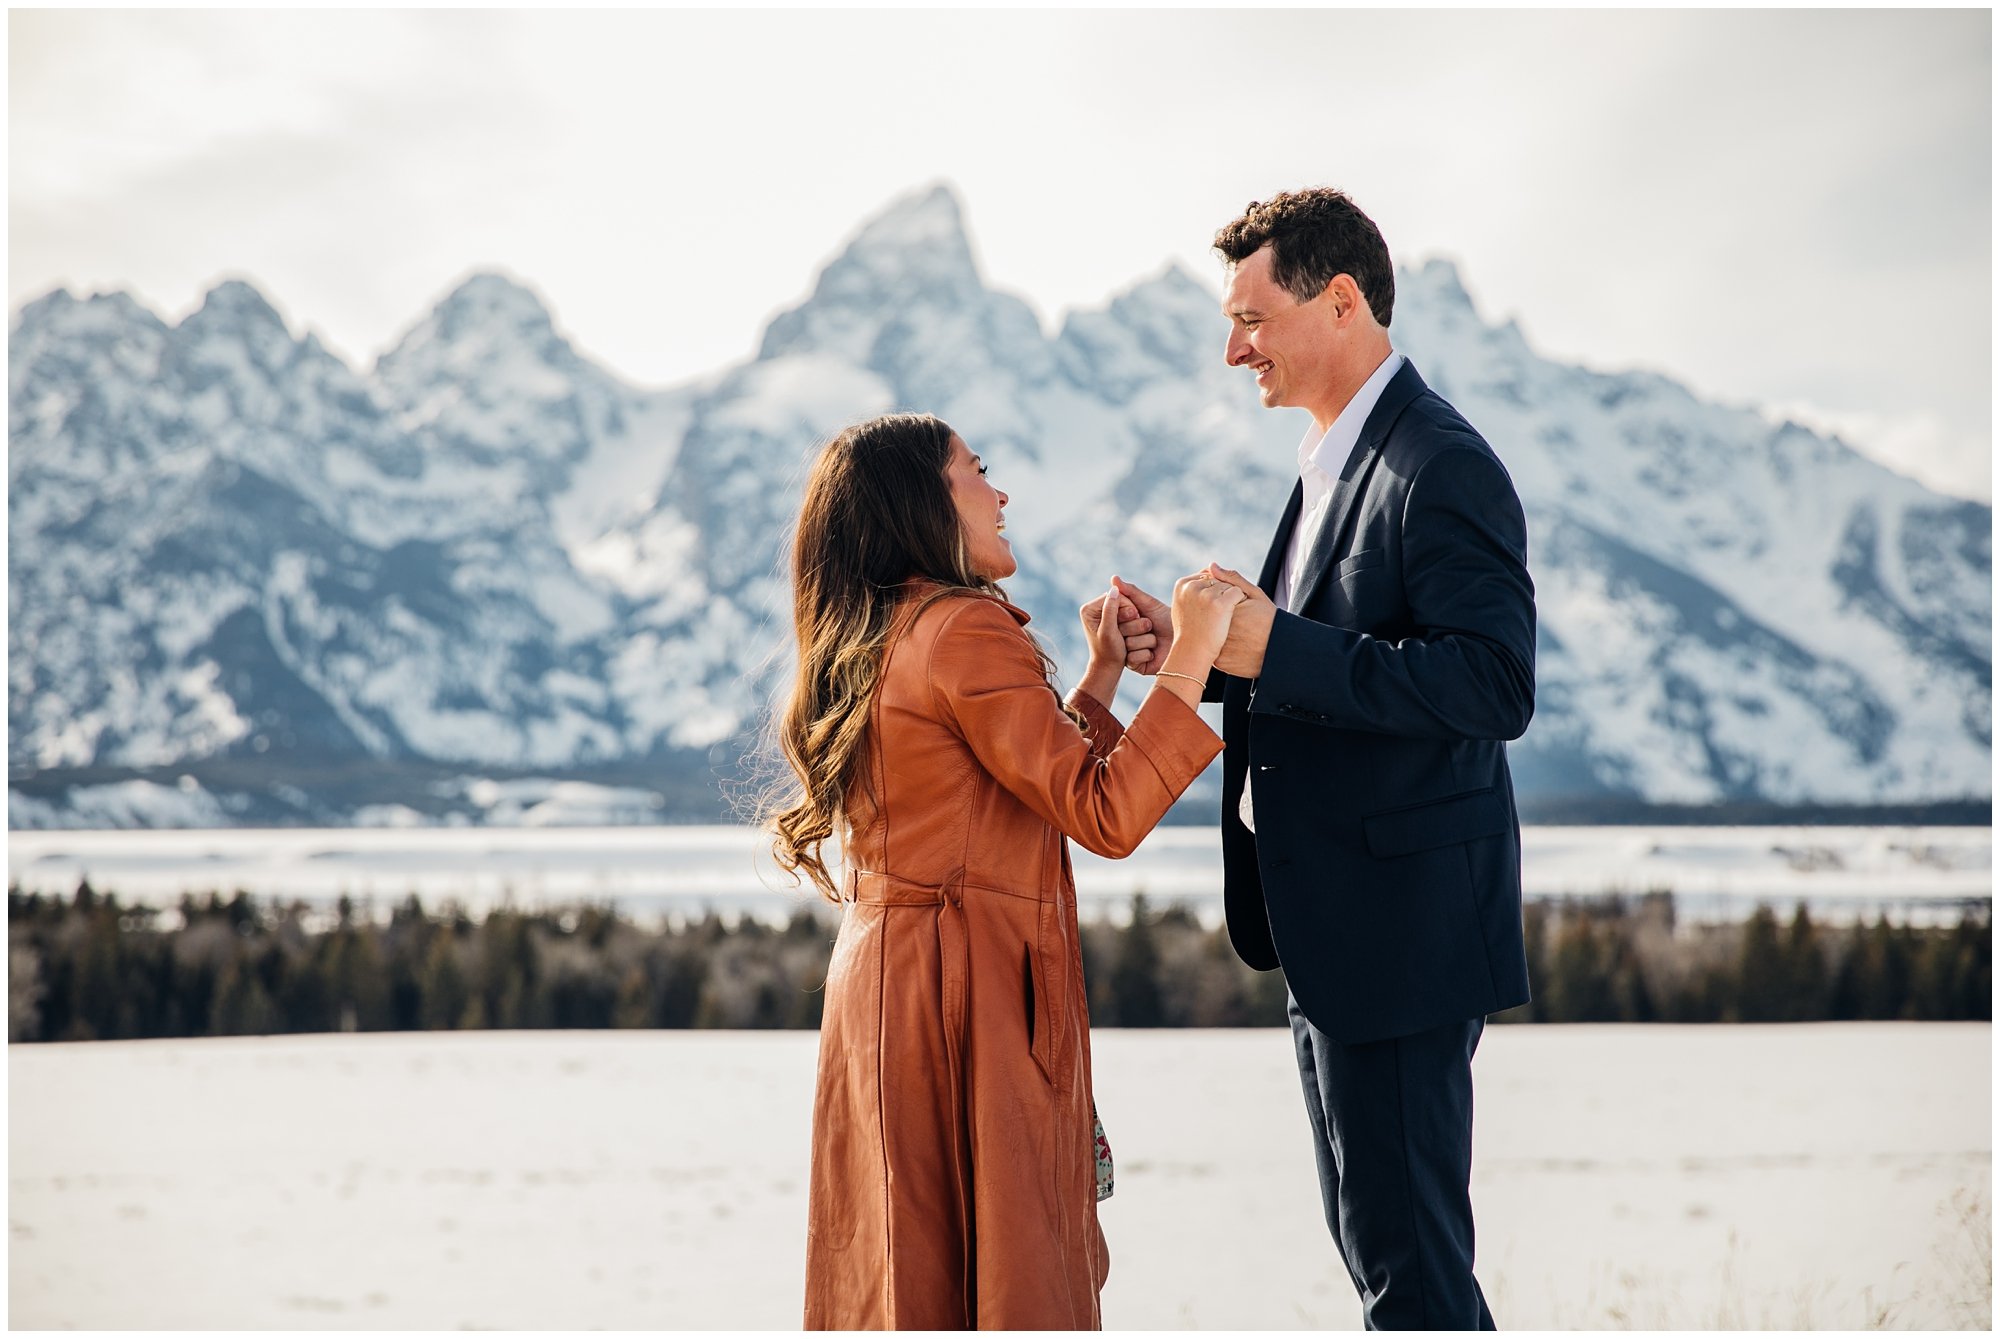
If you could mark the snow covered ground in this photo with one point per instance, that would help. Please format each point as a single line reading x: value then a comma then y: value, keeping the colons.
x: 1716, y: 873
x: 1800, y: 1176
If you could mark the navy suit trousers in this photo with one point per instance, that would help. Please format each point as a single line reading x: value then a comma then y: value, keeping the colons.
x: 1392, y: 1133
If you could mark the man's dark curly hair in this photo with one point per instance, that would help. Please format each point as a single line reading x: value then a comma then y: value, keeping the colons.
x: 1315, y: 234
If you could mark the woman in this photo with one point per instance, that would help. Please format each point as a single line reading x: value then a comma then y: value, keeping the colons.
x: 953, y: 1168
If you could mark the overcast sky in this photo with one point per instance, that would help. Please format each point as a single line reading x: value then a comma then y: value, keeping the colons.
x: 1791, y: 208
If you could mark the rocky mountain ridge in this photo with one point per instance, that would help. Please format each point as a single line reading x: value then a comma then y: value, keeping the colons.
x: 314, y: 589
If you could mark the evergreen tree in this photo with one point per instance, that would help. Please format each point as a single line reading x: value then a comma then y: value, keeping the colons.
x: 242, y: 1006
x: 1135, y: 981
x: 1631, y: 998
x: 1885, y: 971
x: 84, y: 967
x: 683, y: 982
x: 1805, y: 969
x: 24, y: 992
x: 1761, y: 987
x: 1579, y: 987
x: 635, y: 1000
x: 444, y: 992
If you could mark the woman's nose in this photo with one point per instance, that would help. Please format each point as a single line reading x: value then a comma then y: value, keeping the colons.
x: 1003, y: 497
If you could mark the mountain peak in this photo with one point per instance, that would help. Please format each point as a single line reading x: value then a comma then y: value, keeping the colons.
x: 920, y: 236
x: 1435, y: 283
x: 914, y: 253
x: 1174, y: 285
x: 50, y: 306
x: 488, y: 321
x: 922, y: 218
x: 235, y: 304
x: 98, y: 315
x: 488, y: 300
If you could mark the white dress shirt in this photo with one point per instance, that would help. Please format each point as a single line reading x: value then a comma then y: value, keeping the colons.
x: 1321, y: 458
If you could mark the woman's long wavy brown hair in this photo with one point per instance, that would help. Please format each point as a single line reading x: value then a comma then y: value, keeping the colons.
x: 877, y: 511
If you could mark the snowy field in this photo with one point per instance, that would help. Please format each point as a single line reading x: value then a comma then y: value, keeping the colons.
x: 1716, y: 873
x: 1826, y: 1176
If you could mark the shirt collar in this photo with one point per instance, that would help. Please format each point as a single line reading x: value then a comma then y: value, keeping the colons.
x: 1328, y: 453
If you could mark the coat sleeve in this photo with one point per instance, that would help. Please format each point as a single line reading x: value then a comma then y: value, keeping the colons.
x: 1100, y: 727
x: 989, y: 689
x: 1469, y: 671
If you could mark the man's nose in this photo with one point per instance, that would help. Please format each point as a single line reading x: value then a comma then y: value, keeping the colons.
x: 1237, y: 349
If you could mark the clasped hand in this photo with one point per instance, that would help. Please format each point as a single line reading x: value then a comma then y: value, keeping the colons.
x: 1141, y: 629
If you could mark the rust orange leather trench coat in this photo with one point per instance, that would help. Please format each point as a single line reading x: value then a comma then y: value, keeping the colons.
x: 953, y: 1167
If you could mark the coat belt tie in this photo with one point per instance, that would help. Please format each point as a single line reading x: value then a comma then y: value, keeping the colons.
x: 873, y: 888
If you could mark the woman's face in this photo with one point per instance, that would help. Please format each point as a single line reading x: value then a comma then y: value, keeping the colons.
x: 979, y: 506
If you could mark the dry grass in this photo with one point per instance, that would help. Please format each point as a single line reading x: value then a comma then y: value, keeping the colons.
x: 1967, y: 1300
x: 1639, y: 1299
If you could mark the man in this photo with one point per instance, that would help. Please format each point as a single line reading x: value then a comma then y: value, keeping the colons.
x: 1370, y: 843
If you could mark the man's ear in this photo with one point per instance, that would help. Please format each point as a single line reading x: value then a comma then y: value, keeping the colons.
x: 1343, y: 293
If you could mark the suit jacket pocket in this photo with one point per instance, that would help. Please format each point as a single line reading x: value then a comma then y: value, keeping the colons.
x: 1357, y: 562
x: 1434, y: 823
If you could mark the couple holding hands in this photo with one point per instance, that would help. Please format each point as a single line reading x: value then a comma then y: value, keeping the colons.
x: 1369, y: 679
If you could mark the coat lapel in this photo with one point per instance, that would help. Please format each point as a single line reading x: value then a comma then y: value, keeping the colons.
x: 1404, y: 387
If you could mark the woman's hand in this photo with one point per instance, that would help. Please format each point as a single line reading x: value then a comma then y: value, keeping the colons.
x: 1203, y: 607
x: 1106, y: 641
x: 1101, y: 618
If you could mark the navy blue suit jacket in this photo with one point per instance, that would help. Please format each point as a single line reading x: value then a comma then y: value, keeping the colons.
x: 1385, y: 872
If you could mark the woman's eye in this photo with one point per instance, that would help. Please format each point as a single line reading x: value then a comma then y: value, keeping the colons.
x: 982, y: 471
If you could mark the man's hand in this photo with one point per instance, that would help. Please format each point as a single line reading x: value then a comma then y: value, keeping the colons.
x: 1149, y: 631
x: 1249, y: 629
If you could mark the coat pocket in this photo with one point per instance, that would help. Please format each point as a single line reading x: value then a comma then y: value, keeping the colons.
x: 1435, y: 823
x: 1358, y: 562
x: 1043, y: 1020
x: 1028, y: 989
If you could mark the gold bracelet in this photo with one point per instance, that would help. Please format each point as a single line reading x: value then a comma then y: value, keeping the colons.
x: 1175, y: 674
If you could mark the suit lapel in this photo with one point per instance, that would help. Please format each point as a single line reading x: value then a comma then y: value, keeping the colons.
x: 1268, y: 578
x: 1404, y: 387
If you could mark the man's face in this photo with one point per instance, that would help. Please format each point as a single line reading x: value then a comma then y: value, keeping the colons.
x: 1290, y: 345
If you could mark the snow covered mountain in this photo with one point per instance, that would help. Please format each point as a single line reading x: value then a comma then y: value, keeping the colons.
x: 236, y: 559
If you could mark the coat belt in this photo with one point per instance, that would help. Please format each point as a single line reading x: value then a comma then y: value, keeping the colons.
x: 890, y: 890
x: 1049, y: 960
x: 874, y: 888
x: 877, y: 888
x: 871, y: 887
